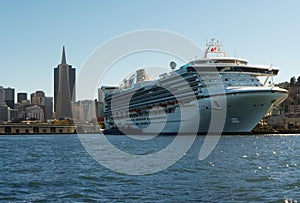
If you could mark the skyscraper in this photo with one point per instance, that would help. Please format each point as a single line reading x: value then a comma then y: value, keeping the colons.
x: 38, y: 98
x: 21, y: 96
x: 49, y: 107
x: 64, y: 88
x: 3, y: 112
x: 10, y: 97
x: 2, y: 94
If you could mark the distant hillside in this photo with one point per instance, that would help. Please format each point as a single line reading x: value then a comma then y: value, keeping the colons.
x: 294, y: 93
x: 285, y: 117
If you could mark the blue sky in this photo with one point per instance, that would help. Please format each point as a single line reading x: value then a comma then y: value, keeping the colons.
x: 33, y: 32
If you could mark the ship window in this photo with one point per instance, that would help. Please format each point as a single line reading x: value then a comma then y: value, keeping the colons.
x: 190, y: 69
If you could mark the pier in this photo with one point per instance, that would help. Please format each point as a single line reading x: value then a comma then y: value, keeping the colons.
x: 36, y: 129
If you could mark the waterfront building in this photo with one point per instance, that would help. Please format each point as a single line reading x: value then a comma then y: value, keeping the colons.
x: 10, y: 97
x: 35, y: 112
x: 84, y: 111
x: 21, y: 96
x: 12, y: 114
x: 36, y: 128
x: 87, y: 110
x: 76, y: 111
x: 64, y: 88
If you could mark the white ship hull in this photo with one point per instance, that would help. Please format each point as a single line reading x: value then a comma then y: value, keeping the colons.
x: 244, y: 109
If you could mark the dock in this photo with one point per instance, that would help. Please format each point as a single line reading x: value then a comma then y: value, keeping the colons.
x: 6, y: 129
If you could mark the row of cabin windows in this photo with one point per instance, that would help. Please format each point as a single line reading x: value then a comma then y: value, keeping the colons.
x: 154, y: 118
x: 141, y: 119
x: 222, y: 61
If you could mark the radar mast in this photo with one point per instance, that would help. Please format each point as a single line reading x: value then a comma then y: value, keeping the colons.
x: 214, y: 47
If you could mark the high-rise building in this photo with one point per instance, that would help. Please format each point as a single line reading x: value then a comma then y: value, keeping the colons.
x: 76, y: 111
x: 100, y: 95
x: 99, y: 103
x: 21, y: 96
x: 84, y: 110
x: 2, y: 94
x: 87, y: 110
x: 10, y: 97
x: 49, y: 107
x: 3, y: 112
x: 38, y: 98
x: 21, y: 107
x: 64, y: 88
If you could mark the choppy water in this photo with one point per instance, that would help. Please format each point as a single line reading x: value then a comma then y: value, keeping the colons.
x: 56, y: 168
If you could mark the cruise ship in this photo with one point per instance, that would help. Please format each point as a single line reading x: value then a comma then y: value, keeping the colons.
x: 190, y: 98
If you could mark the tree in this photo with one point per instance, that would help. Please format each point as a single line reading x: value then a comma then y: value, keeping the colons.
x: 298, y: 82
x: 292, y: 81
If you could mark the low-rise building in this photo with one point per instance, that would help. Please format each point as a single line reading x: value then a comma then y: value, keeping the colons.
x: 35, y: 112
x: 12, y: 114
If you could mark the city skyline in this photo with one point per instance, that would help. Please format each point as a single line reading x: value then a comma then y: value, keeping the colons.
x: 261, y: 32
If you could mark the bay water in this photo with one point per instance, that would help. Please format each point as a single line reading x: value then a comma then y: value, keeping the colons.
x: 57, y: 168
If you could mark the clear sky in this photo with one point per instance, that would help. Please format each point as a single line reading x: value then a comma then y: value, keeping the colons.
x: 33, y: 32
